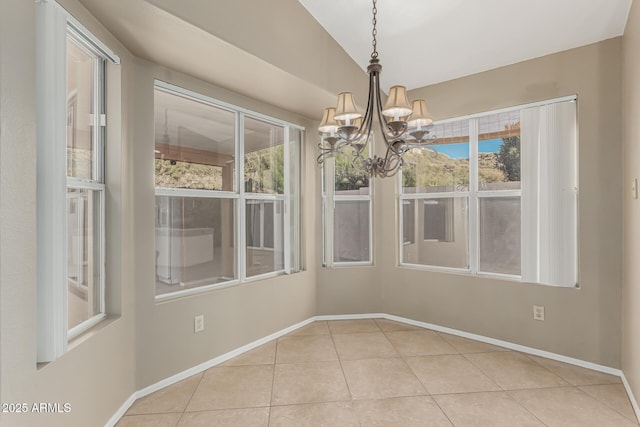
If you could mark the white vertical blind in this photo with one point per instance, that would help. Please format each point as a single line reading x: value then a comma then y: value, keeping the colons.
x: 52, y: 180
x: 549, y: 194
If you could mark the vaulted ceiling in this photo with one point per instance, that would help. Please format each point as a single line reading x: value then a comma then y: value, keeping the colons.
x: 297, y: 54
x: 422, y: 42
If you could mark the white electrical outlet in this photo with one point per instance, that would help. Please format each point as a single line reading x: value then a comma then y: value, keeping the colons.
x: 198, y: 323
x: 538, y: 312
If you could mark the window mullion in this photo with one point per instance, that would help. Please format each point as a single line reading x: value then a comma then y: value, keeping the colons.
x: 241, y: 231
x: 329, y: 180
x: 287, y: 202
x: 95, y: 123
x: 261, y: 224
x: 474, y: 233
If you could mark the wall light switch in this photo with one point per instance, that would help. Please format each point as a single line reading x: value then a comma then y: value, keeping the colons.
x: 634, y: 188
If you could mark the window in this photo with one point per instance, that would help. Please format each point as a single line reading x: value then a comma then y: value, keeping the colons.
x: 202, y: 148
x: 71, y: 138
x: 264, y: 182
x: 499, y: 192
x: 437, y: 181
x: 85, y: 182
x: 347, y: 214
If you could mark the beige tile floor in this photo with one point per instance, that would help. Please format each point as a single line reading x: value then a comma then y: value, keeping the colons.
x: 383, y: 373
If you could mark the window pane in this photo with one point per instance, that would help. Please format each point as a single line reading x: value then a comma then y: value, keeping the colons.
x: 194, y: 144
x: 348, y: 181
x: 440, y: 167
x: 351, y: 231
x: 263, y: 157
x: 84, y: 268
x: 443, y: 233
x: 438, y: 220
x: 409, y: 221
x: 265, y: 224
x: 82, y: 67
x: 195, y: 242
x: 500, y: 235
x: 253, y: 218
x: 499, y: 151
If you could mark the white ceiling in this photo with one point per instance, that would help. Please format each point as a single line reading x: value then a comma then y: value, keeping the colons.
x: 422, y: 42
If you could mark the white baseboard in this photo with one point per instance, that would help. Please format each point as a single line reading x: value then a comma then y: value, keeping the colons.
x: 121, y: 411
x: 634, y: 402
x: 223, y: 358
x: 511, y: 346
x: 349, y: 316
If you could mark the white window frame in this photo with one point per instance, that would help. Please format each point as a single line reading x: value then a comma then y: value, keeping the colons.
x: 239, y: 195
x: 473, y: 196
x: 54, y: 26
x: 329, y: 199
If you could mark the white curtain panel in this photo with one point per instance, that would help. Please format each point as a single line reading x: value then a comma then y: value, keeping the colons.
x: 549, y: 194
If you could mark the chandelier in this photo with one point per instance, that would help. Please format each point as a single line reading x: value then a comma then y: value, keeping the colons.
x: 345, y: 131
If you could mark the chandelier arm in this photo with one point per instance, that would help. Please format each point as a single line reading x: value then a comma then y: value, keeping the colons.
x: 361, y: 165
x: 381, y: 119
x: 325, y: 152
x: 365, y: 128
x: 392, y: 163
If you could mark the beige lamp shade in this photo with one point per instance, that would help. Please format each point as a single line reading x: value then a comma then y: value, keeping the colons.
x: 346, y: 108
x: 397, y: 104
x: 420, y: 116
x: 328, y: 123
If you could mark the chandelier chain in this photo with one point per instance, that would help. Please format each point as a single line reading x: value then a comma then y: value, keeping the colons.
x: 374, y: 32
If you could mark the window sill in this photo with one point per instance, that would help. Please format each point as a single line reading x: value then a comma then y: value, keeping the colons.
x: 468, y: 273
x: 83, y: 337
x: 171, y: 296
x: 349, y: 264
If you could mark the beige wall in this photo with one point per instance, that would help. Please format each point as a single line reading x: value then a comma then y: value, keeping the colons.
x: 97, y: 374
x: 582, y: 323
x: 234, y: 316
x: 631, y: 207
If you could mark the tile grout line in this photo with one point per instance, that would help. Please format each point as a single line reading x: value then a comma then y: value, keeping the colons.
x: 341, y: 367
x: 273, y: 379
x: 482, y: 370
x: 605, y: 403
x: 442, y: 410
x: 404, y: 360
x: 184, y: 411
x: 575, y: 387
x: 524, y: 407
